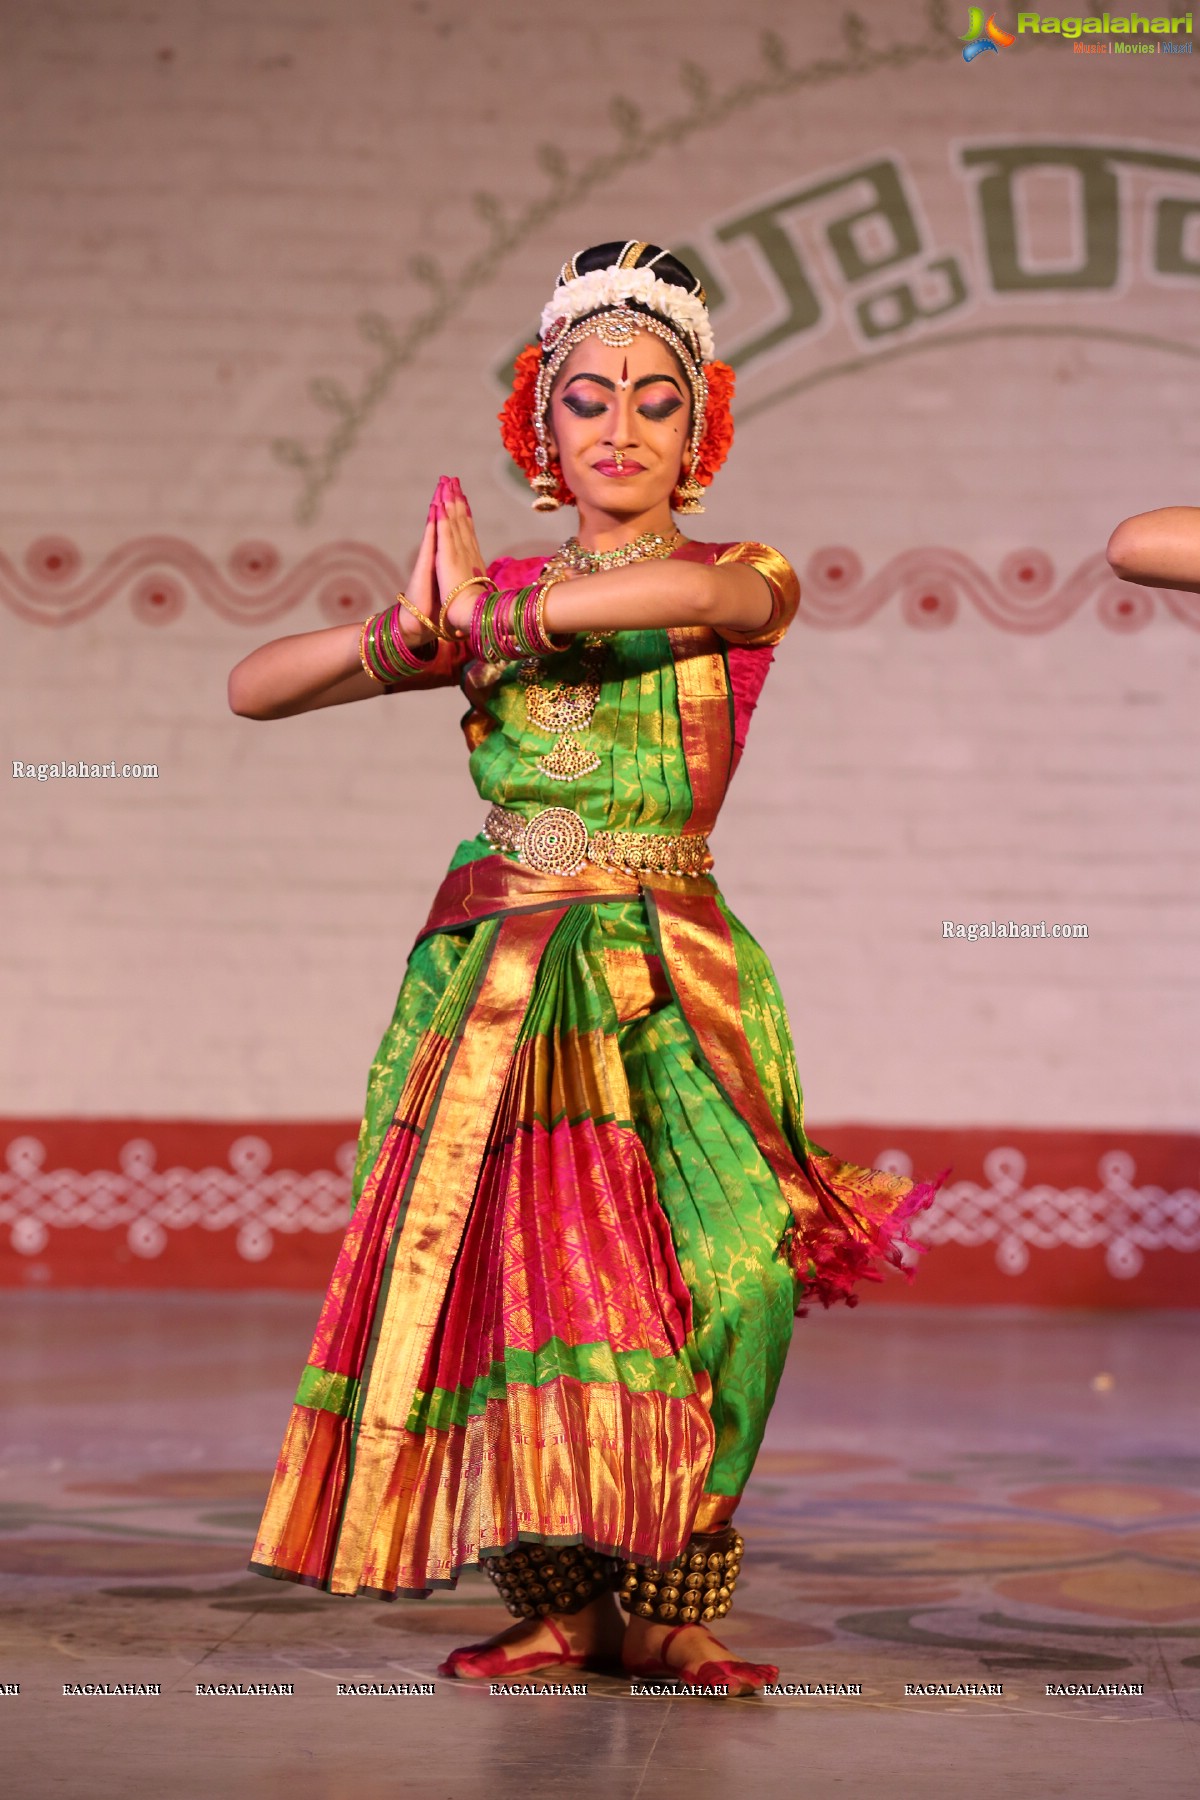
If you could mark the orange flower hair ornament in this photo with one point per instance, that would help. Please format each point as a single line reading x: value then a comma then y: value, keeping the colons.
x: 596, y: 305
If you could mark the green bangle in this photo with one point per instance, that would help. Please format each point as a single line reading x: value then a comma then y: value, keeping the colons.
x: 487, y: 629
x: 375, y: 654
x: 517, y: 626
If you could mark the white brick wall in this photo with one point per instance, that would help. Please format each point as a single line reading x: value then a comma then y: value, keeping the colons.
x: 188, y: 241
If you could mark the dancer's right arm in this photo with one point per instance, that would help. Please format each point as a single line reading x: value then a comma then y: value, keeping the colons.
x: 316, y: 668
x: 322, y: 668
x: 1159, y: 548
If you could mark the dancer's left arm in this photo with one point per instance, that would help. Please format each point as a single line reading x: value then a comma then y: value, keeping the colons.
x: 727, y: 596
x: 730, y: 597
x: 1159, y: 549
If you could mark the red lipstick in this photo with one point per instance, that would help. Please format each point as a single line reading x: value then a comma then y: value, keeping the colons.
x: 616, y: 470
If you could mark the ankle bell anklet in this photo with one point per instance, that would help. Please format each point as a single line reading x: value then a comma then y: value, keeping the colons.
x: 691, y: 1590
x: 536, y: 1580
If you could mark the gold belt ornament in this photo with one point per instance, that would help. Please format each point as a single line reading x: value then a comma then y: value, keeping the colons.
x: 557, y: 842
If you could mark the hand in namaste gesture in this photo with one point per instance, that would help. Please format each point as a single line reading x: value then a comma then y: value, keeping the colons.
x: 448, y: 555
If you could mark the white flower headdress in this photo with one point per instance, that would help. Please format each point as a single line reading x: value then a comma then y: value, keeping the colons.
x: 574, y: 298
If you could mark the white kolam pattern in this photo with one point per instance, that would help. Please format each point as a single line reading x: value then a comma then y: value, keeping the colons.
x: 149, y: 1203
x: 1122, y: 1219
x: 247, y: 1197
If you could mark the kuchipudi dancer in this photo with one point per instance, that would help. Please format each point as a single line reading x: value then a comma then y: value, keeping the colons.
x: 586, y: 1209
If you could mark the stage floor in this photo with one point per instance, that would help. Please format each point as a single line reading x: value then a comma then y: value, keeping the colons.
x: 945, y: 1498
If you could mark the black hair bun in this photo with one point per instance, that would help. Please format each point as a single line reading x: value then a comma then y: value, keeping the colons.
x: 633, y: 255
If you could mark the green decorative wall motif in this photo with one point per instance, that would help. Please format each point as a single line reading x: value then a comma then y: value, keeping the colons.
x: 894, y: 290
x: 707, y: 106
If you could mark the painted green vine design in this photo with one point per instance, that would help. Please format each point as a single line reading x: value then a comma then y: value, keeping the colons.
x: 319, y: 466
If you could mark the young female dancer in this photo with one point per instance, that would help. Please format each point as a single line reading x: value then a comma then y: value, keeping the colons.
x: 586, y: 1207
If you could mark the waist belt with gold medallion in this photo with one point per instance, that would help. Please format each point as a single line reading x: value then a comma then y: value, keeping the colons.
x: 557, y: 842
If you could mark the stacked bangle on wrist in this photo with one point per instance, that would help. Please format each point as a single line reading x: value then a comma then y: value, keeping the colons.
x: 382, y: 649
x: 438, y: 630
x: 506, y: 626
x: 480, y: 640
x: 462, y: 586
x: 547, y: 637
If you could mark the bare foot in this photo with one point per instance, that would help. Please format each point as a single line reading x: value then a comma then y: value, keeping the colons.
x: 690, y: 1653
x: 590, y: 1637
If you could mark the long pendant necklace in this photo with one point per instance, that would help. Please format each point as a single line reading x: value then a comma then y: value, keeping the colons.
x: 566, y: 707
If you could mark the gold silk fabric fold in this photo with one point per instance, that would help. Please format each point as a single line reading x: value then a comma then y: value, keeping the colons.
x: 705, y: 719
x: 699, y: 961
x: 436, y: 1208
x: 495, y: 885
x: 702, y: 678
x: 843, y: 1219
x: 705, y: 708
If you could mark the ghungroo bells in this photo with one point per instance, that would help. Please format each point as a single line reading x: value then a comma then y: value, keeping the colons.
x: 536, y: 1579
x: 694, y: 1589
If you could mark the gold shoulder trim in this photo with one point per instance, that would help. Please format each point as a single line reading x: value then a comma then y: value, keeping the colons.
x: 783, y: 582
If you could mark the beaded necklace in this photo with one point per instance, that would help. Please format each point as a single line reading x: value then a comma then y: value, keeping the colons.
x: 647, y: 546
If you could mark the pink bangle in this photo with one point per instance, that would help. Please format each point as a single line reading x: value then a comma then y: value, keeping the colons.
x: 383, y: 651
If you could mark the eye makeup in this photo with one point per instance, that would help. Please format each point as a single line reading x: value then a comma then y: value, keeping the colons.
x: 583, y: 409
x: 661, y: 409
x: 664, y: 407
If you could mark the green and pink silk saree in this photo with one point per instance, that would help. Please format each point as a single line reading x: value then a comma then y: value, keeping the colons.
x: 586, y: 1210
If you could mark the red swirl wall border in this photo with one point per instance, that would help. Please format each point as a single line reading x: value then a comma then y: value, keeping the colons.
x: 932, y: 586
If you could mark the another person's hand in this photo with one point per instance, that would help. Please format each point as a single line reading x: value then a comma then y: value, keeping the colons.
x: 1159, y: 548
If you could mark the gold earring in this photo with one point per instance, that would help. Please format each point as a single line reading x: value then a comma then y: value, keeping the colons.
x: 545, y: 499
x: 545, y: 486
x: 689, y: 496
